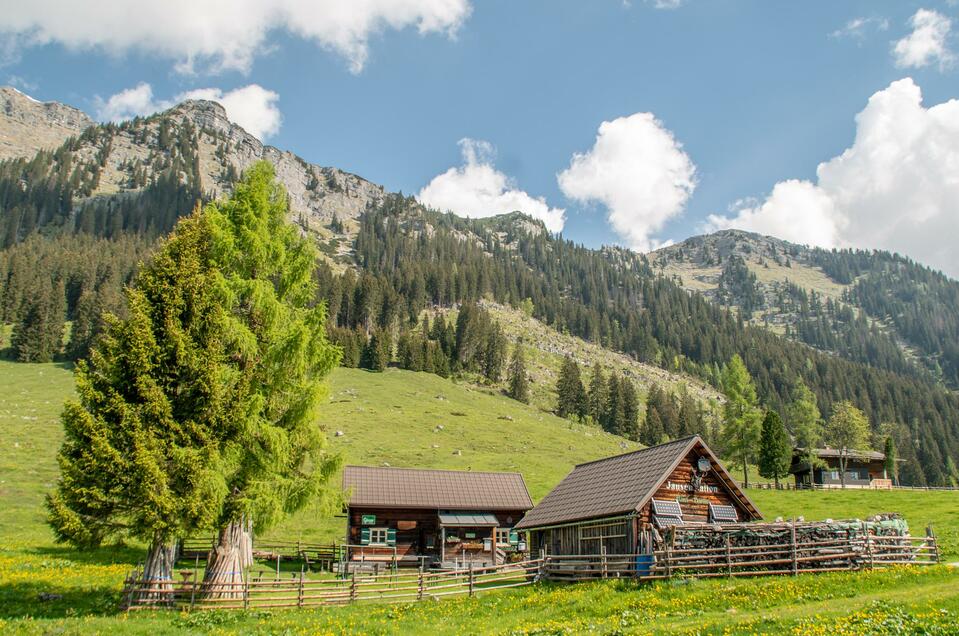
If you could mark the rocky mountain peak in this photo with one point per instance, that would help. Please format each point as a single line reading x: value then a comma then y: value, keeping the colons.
x: 28, y: 125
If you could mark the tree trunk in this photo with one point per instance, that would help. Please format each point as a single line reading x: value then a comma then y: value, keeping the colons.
x: 156, y: 583
x: 842, y: 469
x: 227, y: 562
x: 745, y: 473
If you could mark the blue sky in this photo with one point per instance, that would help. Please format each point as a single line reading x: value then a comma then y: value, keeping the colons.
x: 752, y: 93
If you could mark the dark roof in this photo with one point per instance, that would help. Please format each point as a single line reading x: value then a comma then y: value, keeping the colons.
x: 435, y: 489
x: 620, y: 485
x: 850, y: 452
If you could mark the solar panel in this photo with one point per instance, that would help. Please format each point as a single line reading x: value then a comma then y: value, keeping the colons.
x: 662, y: 508
x: 723, y: 514
x: 666, y: 522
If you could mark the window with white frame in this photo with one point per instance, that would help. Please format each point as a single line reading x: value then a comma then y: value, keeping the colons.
x: 379, y: 536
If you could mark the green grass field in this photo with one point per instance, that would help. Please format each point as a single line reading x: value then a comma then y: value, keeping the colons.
x: 412, y: 419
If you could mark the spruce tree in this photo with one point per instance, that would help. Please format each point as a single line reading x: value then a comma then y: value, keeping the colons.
x: 374, y: 353
x: 570, y: 394
x: 630, y: 425
x: 775, y: 449
x: 143, y: 455
x: 518, y: 380
x: 38, y: 336
x: 741, y: 414
x: 597, y: 395
x: 891, y: 461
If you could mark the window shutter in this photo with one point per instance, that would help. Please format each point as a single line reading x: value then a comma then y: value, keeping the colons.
x: 391, y: 536
x: 513, y: 537
x: 365, y: 536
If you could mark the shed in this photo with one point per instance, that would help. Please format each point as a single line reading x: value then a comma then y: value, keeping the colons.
x: 444, y: 518
x: 864, y: 468
x: 619, y: 504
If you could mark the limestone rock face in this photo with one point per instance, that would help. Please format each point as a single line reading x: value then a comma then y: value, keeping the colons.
x: 27, y: 125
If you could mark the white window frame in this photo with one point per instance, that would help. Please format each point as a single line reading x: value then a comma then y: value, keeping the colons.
x: 379, y: 532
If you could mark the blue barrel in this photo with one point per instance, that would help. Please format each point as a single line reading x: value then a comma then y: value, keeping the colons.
x: 644, y: 564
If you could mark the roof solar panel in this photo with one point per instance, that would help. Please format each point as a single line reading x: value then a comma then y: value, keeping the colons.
x: 723, y: 514
x: 666, y: 522
x: 663, y: 508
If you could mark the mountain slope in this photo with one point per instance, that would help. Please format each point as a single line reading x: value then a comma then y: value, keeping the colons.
x: 27, y: 126
x: 388, y: 260
x: 873, y: 307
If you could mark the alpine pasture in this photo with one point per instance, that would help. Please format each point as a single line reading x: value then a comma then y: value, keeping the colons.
x: 412, y: 419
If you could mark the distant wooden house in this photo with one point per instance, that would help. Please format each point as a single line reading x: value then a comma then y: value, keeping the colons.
x: 864, y: 469
x: 622, y: 504
x: 441, y: 518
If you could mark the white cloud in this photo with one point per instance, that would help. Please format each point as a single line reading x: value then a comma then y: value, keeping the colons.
x: 477, y: 189
x: 857, y: 27
x: 638, y: 171
x: 896, y: 188
x: 927, y: 44
x: 223, y: 34
x: 252, y: 107
x: 22, y: 83
x: 666, y: 4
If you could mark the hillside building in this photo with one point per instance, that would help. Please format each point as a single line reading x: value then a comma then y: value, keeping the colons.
x: 864, y: 469
x: 433, y: 518
x: 622, y: 504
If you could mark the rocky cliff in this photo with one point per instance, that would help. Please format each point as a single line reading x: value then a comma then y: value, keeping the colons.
x: 28, y: 125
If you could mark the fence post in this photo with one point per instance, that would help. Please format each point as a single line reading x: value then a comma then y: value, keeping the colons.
x: 541, y: 569
x: 353, y: 587
x: 792, y: 547
x: 471, y: 578
x: 868, y: 539
x: 729, y: 558
x: 246, y: 593
x: 299, y: 595
x: 931, y: 540
x: 602, y: 559
x: 419, y: 584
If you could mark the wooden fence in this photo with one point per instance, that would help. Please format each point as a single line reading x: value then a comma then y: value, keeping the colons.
x: 314, y: 555
x: 299, y: 591
x: 791, y: 558
x: 784, y: 485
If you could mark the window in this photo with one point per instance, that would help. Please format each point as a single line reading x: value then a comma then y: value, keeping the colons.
x: 378, y: 536
x: 506, y: 536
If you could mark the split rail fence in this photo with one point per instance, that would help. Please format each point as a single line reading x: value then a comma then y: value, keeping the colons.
x: 795, y: 556
x: 299, y: 591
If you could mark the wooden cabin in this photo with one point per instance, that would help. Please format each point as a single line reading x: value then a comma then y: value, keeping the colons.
x: 864, y: 469
x: 621, y: 504
x: 433, y: 518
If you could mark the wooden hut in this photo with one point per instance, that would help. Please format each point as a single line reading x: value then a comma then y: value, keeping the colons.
x: 434, y: 518
x: 620, y: 504
x: 864, y: 469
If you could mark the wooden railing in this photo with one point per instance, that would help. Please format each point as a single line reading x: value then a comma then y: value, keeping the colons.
x: 303, y: 592
x: 841, y: 554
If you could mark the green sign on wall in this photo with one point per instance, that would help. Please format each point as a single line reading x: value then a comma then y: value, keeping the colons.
x: 368, y: 520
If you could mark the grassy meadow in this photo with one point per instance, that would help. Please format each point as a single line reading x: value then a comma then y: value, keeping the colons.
x: 412, y: 419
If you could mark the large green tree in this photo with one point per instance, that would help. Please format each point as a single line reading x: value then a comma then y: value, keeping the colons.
x: 143, y: 454
x: 277, y: 458
x: 775, y: 449
x: 518, y: 380
x: 847, y: 430
x: 805, y: 421
x: 570, y: 393
x: 741, y: 414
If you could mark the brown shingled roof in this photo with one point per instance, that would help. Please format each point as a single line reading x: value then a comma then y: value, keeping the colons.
x: 435, y: 489
x: 619, y: 485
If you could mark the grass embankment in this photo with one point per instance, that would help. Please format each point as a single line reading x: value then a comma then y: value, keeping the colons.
x: 408, y: 419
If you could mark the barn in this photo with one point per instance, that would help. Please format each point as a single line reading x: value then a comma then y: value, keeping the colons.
x: 620, y: 505
x: 433, y: 518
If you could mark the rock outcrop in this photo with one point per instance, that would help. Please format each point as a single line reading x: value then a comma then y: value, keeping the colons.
x: 27, y: 125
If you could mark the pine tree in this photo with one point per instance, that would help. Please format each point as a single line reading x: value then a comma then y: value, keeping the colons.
x: 597, y: 395
x: 630, y: 424
x: 495, y: 356
x: 775, y: 449
x: 741, y: 415
x: 374, y: 353
x: 614, y: 418
x: 891, y: 461
x: 144, y: 441
x: 518, y: 380
x: 570, y: 394
x: 38, y: 336
x: 847, y: 429
x: 804, y: 418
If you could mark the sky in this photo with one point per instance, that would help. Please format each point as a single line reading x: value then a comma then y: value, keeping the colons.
x: 638, y: 122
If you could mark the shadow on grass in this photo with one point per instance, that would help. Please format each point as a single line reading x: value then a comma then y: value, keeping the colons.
x: 105, y: 555
x: 20, y: 600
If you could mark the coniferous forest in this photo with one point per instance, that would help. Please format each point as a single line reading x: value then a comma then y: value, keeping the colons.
x: 67, y: 256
